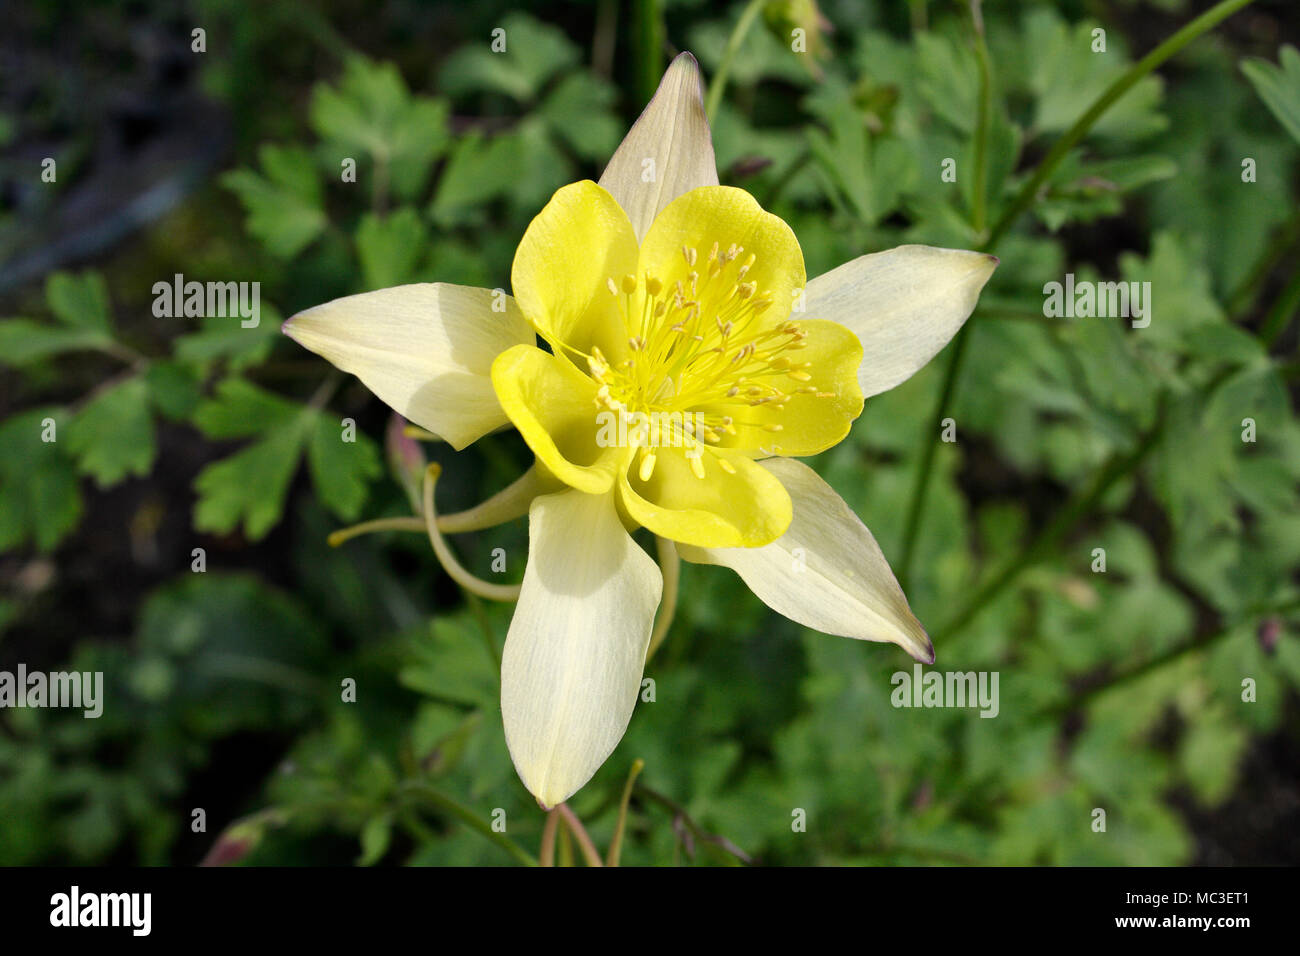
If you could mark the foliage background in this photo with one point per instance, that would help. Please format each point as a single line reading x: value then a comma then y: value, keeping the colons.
x: 1119, y: 690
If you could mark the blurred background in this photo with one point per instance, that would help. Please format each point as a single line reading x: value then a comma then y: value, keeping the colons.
x: 174, y: 535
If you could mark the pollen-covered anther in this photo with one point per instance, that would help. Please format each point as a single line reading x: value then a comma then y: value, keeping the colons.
x: 599, y: 367
x: 647, y: 466
x: 629, y: 284
x: 696, y: 459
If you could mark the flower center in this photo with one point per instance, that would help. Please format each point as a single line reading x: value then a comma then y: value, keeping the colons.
x: 699, y: 354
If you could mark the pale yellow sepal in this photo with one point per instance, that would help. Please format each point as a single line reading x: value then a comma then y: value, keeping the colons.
x: 425, y: 349
x: 905, y: 304
x: 667, y: 152
x: 574, y: 655
x: 826, y: 572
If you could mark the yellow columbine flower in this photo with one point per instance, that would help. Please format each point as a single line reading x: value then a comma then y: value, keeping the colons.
x: 690, y: 363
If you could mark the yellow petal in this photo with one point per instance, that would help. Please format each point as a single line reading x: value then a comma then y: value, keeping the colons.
x: 425, y: 349
x: 553, y: 406
x: 726, y: 215
x: 720, y: 510
x: 579, y: 240
x: 668, y: 151
x: 821, y: 407
x: 575, y: 652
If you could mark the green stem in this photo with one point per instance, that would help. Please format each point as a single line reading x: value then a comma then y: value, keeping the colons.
x: 648, y: 31
x: 679, y: 813
x: 1160, y: 660
x: 979, y: 200
x: 1205, y: 22
x: 546, y: 853
x: 670, y: 566
x: 724, y: 68
x: 922, y: 482
x: 1243, y: 296
x: 432, y: 795
x: 1283, y: 311
x: 616, y: 844
x: 585, y: 844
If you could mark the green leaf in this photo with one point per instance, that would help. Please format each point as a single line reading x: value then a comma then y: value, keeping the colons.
x: 23, y: 341
x: 480, y: 169
x: 40, y: 497
x: 376, y: 836
x: 226, y: 337
x: 113, y: 436
x: 525, y: 166
x: 79, y: 301
x: 173, y: 389
x: 868, y: 173
x: 283, y: 205
x: 1209, y: 753
x: 342, y: 470
x: 249, y: 487
x: 534, y: 52
x: 1084, y: 192
x: 579, y: 111
x: 389, y: 247
x: 240, y: 409
x: 1182, y: 296
x: 372, y: 113
x: 1066, y: 76
x: 1278, y: 86
x: 451, y: 663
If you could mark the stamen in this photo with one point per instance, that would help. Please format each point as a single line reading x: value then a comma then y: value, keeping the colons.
x: 694, y: 344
